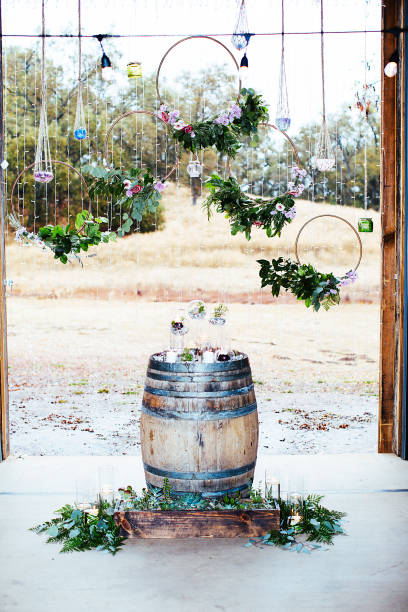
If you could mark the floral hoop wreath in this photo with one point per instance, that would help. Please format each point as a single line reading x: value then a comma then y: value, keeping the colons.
x: 159, y: 97
x: 245, y: 210
x: 65, y: 242
x: 353, y: 271
x: 53, y: 161
x: 137, y: 112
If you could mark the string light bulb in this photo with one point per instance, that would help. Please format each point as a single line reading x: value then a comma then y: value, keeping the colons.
x: 107, y: 71
x: 243, y: 68
x: 391, y: 67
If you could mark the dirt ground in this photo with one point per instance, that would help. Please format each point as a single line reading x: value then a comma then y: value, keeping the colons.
x: 77, y: 372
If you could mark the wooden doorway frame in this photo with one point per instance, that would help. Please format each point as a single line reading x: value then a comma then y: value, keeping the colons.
x: 392, y: 421
x: 393, y: 361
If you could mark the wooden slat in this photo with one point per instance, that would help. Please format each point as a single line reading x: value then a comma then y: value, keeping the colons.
x: 4, y: 417
x: 390, y: 158
x: 197, y: 524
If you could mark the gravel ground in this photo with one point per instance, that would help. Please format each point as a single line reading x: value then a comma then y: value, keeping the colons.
x: 77, y: 373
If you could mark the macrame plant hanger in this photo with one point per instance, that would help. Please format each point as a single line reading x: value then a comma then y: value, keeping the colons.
x: 241, y: 36
x: 80, y: 125
x: 42, y: 164
x: 324, y: 155
x: 282, y: 111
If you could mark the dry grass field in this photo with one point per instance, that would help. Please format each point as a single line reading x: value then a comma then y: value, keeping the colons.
x: 192, y: 256
x: 80, y: 336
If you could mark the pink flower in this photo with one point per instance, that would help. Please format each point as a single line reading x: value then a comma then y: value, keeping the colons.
x: 179, y: 124
x: 192, y: 135
x: 129, y: 193
x: 257, y: 223
x: 136, y: 189
x: 173, y: 116
x: 235, y: 112
x: 188, y: 129
x: 165, y: 117
x: 280, y: 207
x: 159, y: 186
x: 127, y: 184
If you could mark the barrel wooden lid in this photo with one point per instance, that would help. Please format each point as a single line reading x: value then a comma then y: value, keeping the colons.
x: 217, y: 366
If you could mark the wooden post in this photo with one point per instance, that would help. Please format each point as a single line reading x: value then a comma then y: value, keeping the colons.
x: 390, y: 204
x: 4, y: 415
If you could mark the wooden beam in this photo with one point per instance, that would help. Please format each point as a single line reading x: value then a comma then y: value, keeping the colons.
x: 390, y: 199
x: 4, y: 414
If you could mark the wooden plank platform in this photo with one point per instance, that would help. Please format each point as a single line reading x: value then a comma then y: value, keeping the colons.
x: 197, y: 523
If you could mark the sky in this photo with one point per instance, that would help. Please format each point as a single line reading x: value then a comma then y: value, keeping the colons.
x: 345, y: 54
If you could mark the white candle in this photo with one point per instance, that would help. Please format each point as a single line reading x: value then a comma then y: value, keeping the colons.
x: 83, y: 506
x: 171, y: 356
x: 208, y: 357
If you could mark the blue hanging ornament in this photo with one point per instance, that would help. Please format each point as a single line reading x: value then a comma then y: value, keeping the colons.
x: 80, y: 125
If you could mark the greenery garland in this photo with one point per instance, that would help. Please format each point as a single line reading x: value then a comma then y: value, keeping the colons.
x: 225, y: 131
x: 95, y: 528
x: 79, y: 530
x: 304, y: 281
x: 135, y: 190
x: 243, y: 212
x: 66, y: 241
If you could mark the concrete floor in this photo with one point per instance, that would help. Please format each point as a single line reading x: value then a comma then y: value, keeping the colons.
x: 367, y: 570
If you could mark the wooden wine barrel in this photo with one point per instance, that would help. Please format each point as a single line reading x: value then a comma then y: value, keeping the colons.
x: 199, y: 426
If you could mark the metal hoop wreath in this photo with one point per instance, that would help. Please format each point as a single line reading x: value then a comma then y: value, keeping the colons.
x: 53, y: 161
x: 189, y: 38
x: 336, y: 217
x: 137, y: 112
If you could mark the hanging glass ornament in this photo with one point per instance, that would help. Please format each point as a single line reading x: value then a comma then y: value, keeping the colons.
x: 80, y: 125
x: 241, y: 35
x: 134, y: 70
x: 282, y: 111
x: 194, y: 168
x: 324, y: 155
x: 42, y: 163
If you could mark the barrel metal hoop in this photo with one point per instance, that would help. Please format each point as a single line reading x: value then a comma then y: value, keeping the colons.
x: 199, y: 416
x: 199, y: 379
x: 198, y: 394
x: 198, y: 368
x: 199, y: 475
x: 205, y: 493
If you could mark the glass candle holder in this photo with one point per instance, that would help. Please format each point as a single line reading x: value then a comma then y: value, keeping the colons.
x: 134, y: 70
x: 365, y: 224
x: 106, y: 482
x: 83, y: 493
x: 272, y: 485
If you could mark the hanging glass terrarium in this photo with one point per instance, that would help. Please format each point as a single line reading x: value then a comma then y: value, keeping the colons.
x: 282, y: 111
x: 194, y: 168
x: 134, y: 70
x: 241, y: 36
x: 42, y: 162
x: 80, y: 125
x: 324, y: 154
